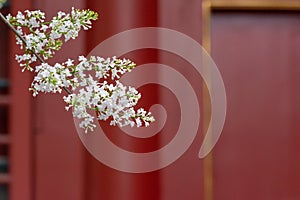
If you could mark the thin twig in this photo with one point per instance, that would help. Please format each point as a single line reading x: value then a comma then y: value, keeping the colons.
x: 24, y: 41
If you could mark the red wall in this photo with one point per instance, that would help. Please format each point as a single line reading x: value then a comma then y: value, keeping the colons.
x: 60, y: 167
x: 257, y: 154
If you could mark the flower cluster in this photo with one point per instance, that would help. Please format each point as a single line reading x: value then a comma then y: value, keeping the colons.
x: 94, y: 81
x: 108, y: 100
x: 44, y: 38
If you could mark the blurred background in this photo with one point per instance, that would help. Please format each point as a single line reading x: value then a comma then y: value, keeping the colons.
x: 255, y: 44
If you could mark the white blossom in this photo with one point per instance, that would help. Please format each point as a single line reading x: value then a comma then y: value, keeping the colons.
x: 94, y: 81
x: 45, y: 38
x: 111, y: 101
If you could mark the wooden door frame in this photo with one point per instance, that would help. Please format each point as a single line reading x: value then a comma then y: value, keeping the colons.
x: 208, y: 7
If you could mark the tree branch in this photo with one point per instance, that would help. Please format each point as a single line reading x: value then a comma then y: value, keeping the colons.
x: 24, y: 42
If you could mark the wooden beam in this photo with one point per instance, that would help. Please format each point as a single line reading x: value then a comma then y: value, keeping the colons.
x: 255, y: 5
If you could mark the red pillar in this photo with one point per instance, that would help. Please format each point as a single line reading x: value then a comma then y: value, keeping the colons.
x: 21, y: 147
x: 184, y: 178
